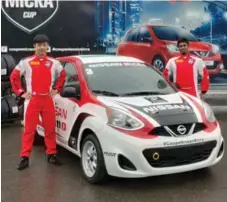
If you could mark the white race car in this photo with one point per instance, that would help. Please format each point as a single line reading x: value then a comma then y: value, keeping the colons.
x: 123, y: 119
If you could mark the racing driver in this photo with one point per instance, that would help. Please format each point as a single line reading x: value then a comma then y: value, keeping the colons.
x: 185, y: 70
x: 40, y: 73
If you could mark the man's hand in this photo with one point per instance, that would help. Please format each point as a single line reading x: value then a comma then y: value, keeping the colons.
x: 27, y: 96
x: 53, y: 92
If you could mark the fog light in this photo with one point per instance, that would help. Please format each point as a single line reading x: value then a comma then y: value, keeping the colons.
x: 221, y: 66
x: 125, y: 163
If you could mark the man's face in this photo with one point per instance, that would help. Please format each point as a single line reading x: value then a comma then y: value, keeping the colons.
x: 41, y: 48
x: 183, y: 48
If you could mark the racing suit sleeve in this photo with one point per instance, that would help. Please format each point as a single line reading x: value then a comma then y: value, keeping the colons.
x: 15, y: 78
x: 203, y: 72
x: 61, y: 76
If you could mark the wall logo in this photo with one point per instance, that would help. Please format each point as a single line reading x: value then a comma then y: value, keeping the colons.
x: 29, y: 15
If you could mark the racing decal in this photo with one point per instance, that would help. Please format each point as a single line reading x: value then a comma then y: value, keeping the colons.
x: 195, y: 109
x: 29, y: 15
x: 89, y: 71
x: 61, y: 114
x: 61, y: 125
x: 165, y: 114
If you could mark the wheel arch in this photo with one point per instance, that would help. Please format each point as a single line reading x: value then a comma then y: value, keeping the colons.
x: 76, y: 128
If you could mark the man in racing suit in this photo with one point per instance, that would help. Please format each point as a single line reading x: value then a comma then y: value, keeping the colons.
x: 40, y: 73
x: 185, y: 70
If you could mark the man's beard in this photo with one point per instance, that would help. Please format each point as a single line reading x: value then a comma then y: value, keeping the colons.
x: 184, y: 53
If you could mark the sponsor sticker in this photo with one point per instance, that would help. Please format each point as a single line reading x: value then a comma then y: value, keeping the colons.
x: 155, y: 99
x: 183, y: 142
x: 119, y: 64
x: 110, y: 154
x: 155, y: 109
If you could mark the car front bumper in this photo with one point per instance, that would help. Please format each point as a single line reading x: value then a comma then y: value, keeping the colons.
x: 122, y: 153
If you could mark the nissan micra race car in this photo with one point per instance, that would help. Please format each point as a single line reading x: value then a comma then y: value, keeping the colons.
x: 123, y: 119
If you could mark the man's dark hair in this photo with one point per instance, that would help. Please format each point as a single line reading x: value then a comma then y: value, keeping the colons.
x: 183, y: 40
x: 40, y: 38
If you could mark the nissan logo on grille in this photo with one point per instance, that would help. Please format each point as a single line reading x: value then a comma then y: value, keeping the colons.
x: 181, y: 129
x: 29, y: 15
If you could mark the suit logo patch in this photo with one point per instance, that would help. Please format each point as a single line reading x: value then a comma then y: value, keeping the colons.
x: 34, y: 63
x: 47, y: 64
x: 180, y: 61
x: 191, y: 61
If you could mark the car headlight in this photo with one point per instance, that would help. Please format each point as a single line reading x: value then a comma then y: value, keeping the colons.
x: 215, y: 49
x: 123, y: 120
x: 209, y: 112
x: 172, y: 48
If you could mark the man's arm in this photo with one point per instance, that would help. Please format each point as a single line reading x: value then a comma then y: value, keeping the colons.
x: 15, y: 78
x: 168, y: 70
x: 203, y: 72
x: 61, y: 76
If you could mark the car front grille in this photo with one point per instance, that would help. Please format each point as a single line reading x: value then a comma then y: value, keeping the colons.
x: 178, y: 156
x: 178, y: 130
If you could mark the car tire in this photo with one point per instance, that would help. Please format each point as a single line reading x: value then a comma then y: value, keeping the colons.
x: 98, y: 174
x: 38, y: 140
x: 159, y: 63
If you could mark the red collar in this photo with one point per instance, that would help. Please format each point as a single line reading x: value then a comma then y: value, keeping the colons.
x: 185, y: 57
x: 40, y: 58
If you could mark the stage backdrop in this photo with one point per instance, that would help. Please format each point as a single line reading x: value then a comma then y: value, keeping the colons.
x: 91, y: 27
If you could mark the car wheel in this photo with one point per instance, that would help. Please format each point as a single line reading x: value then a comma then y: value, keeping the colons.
x: 159, y: 63
x: 92, y: 160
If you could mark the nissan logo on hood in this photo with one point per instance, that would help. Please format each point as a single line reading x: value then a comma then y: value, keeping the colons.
x: 29, y: 15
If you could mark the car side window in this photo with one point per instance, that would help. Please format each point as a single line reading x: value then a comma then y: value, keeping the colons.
x: 71, y: 74
x: 132, y: 35
x: 144, y: 35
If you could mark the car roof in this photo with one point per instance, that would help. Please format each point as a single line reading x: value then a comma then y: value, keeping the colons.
x: 105, y: 58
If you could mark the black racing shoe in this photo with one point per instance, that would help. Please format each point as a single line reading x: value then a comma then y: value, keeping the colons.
x: 53, y: 159
x: 24, y: 163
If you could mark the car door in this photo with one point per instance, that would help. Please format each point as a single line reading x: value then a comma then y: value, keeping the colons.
x: 66, y: 109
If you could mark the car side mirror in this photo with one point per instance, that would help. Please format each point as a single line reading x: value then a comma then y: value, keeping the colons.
x: 71, y: 92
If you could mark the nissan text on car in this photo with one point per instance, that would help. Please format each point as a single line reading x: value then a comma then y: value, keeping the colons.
x: 123, y: 119
x: 156, y: 44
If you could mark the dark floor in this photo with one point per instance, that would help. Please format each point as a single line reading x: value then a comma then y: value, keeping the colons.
x: 45, y: 183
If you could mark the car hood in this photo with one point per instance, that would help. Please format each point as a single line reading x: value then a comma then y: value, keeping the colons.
x: 162, y: 109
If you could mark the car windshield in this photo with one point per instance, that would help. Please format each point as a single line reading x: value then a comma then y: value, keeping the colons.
x: 125, y: 78
x: 173, y: 33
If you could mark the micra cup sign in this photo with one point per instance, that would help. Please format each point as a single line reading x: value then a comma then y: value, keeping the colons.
x: 59, y: 112
x: 29, y: 4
